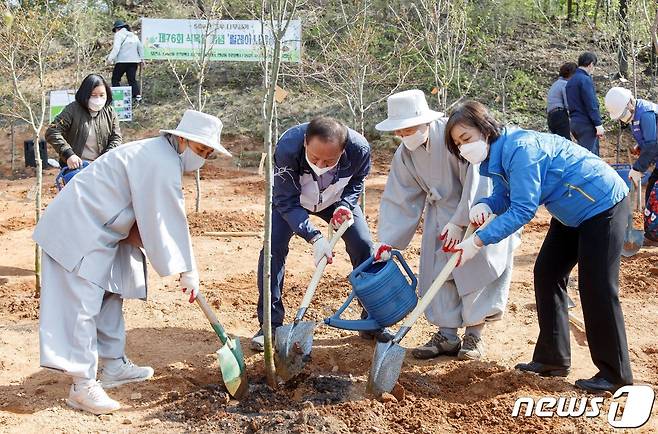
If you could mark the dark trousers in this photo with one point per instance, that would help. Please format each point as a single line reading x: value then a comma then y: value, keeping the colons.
x: 596, y: 247
x: 357, y: 242
x: 585, y: 135
x: 558, y: 123
x: 130, y: 70
x: 653, y: 178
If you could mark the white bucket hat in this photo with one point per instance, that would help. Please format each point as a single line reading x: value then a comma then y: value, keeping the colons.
x: 201, y: 128
x: 407, y: 109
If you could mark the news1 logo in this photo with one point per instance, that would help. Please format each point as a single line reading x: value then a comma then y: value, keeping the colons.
x: 633, y: 414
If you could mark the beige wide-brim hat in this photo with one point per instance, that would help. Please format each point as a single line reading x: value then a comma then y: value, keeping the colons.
x: 407, y: 109
x: 201, y: 128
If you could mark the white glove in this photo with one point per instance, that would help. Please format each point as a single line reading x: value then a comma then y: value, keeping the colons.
x: 189, y: 281
x: 468, y: 250
x: 479, y: 214
x: 635, y: 176
x: 321, y: 249
x: 451, y: 234
x: 600, y: 131
x: 381, y: 252
x: 341, y: 214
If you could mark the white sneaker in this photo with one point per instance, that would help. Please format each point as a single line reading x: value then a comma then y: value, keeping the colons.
x: 123, y: 371
x: 91, y: 398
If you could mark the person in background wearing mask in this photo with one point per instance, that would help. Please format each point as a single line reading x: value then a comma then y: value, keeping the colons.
x: 86, y: 128
x: 96, y: 234
x: 426, y: 179
x: 320, y: 169
x: 586, y: 124
x: 126, y: 55
x: 558, y: 106
x: 587, y: 200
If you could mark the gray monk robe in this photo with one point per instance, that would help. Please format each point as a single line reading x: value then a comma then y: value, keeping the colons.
x: 431, y: 181
x: 87, y: 272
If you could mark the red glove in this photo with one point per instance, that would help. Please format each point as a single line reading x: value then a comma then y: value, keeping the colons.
x: 381, y: 252
x: 341, y: 215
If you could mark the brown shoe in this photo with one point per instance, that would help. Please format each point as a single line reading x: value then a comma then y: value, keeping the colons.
x: 472, y: 348
x: 437, y: 345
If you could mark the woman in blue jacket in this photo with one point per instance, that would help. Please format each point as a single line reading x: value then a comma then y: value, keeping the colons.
x: 587, y: 200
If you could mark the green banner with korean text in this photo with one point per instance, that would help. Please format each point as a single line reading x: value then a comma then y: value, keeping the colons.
x: 221, y: 40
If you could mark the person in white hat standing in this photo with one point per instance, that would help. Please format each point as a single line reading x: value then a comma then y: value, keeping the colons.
x: 642, y: 117
x: 426, y: 179
x: 95, y: 236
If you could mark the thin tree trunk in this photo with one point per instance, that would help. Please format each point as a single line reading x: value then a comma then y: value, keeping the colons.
x: 13, y: 146
x: 197, y: 181
x: 37, y: 248
x: 623, y: 38
x: 569, y: 11
x: 270, y: 369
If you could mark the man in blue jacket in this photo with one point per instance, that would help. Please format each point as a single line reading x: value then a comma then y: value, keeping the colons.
x: 320, y: 169
x: 642, y: 117
x: 586, y: 124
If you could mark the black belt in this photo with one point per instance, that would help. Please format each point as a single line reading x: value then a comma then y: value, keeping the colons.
x: 557, y: 109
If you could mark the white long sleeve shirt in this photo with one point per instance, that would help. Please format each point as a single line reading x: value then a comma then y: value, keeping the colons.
x: 127, y: 48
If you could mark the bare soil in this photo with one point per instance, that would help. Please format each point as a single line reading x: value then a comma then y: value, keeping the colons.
x: 186, y: 395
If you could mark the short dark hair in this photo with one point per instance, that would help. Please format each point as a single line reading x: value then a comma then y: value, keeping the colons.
x: 587, y: 58
x: 567, y: 69
x: 88, y: 85
x: 473, y: 114
x: 328, y: 129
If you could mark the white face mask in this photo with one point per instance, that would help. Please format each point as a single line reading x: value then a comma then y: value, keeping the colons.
x: 474, y: 152
x: 413, y: 141
x: 627, y: 116
x: 191, y: 160
x: 319, y: 171
x: 96, y: 103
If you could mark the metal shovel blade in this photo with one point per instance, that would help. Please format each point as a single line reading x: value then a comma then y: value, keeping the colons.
x: 231, y: 364
x: 634, y: 238
x: 633, y: 242
x: 385, y: 369
x: 293, y: 344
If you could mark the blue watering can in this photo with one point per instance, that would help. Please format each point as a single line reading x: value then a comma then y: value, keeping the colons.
x: 384, y: 292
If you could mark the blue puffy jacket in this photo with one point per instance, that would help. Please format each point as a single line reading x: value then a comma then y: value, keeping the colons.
x: 530, y: 169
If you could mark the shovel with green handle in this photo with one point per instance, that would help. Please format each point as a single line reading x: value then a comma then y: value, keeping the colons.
x: 388, y: 358
x: 230, y: 355
x: 293, y: 342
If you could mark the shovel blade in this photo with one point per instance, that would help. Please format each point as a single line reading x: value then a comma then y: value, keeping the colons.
x: 293, y: 345
x: 385, y: 369
x: 632, y: 243
x: 231, y: 364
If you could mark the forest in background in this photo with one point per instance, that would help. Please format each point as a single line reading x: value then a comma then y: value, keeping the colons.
x: 355, y: 53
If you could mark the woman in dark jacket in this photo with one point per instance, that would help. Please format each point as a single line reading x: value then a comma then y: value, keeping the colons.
x: 86, y: 128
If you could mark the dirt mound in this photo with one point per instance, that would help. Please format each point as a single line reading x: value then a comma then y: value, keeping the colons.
x: 16, y: 224
x: 17, y: 300
x: 225, y: 221
x: 639, y: 274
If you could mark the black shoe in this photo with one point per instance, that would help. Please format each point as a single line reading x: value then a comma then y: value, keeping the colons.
x: 543, y: 369
x: 382, y: 335
x: 597, y: 384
